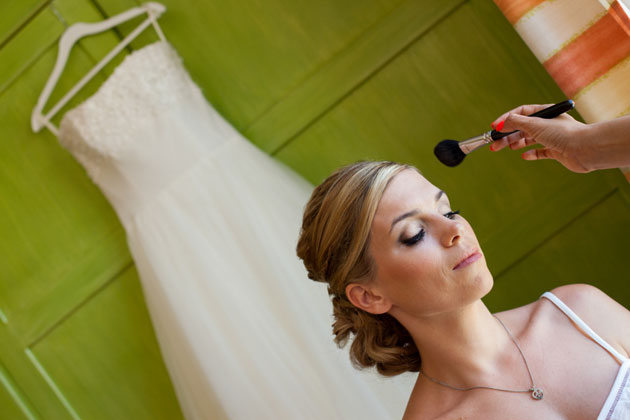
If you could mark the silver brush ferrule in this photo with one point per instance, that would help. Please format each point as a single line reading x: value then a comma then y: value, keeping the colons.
x: 475, y: 143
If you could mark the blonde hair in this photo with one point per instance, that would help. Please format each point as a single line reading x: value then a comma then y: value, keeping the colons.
x: 334, y: 246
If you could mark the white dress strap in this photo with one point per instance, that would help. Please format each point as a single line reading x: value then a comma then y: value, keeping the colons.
x: 584, y: 327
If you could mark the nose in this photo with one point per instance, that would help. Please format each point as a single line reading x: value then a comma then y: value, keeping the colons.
x: 452, y: 231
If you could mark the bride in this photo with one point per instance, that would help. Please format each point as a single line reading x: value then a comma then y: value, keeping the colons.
x: 406, y: 275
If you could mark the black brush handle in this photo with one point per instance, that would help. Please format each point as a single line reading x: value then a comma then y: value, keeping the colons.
x: 550, y: 112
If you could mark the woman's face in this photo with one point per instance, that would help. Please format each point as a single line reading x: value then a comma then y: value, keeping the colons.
x: 428, y: 260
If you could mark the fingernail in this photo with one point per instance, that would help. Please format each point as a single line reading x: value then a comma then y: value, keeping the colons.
x: 492, y: 147
x: 500, y: 126
x: 492, y: 125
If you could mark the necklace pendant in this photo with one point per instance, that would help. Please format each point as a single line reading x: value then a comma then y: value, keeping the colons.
x: 537, y: 393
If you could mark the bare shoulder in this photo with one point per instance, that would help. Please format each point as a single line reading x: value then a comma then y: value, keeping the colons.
x: 603, y: 314
x: 428, y: 402
x: 420, y: 405
x: 429, y: 412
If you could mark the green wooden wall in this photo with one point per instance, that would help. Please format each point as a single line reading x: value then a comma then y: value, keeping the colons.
x: 317, y: 85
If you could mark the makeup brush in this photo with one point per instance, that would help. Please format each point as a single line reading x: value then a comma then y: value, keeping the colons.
x: 452, y: 152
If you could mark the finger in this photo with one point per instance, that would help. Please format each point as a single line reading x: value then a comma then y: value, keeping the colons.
x: 520, y: 141
x: 514, y: 137
x: 515, y: 141
x: 521, y: 110
x: 518, y: 144
x: 499, y: 144
x: 524, y: 124
x: 511, y: 140
x: 537, y: 154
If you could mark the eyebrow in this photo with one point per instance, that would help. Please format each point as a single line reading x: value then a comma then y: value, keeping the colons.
x: 412, y: 212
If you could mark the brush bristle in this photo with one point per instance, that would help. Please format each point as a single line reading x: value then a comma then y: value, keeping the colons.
x: 449, y: 153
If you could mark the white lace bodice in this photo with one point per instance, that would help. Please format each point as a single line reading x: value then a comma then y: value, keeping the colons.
x: 146, y: 125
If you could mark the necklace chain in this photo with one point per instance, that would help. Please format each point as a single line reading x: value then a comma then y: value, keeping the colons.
x: 536, y: 392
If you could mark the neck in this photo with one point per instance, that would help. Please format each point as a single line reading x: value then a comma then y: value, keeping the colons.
x: 466, y: 347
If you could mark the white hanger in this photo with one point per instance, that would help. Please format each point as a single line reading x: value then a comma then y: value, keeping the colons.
x: 67, y: 41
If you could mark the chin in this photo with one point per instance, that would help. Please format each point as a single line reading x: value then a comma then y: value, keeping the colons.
x: 482, y: 282
x: 486, y: 281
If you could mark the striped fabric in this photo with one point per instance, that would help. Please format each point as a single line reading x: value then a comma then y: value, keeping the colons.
x: 585, y: 47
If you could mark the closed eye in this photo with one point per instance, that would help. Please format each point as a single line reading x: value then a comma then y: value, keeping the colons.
x: 414, y: 239
x: 418, y: 237
x: 451, y: 214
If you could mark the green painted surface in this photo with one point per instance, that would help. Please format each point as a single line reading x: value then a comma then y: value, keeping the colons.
x: 27, y: 387
x: 587, y: 250
x: 534, y: 222
x: 366, y: 55
x: 62, y: 243
x: 9, y: 409
x: 54, y: 217
x: 14, y: 14
x: 123, y: 363
x: 247, y: 55
x: 12, y: 404
x: 27, y: 45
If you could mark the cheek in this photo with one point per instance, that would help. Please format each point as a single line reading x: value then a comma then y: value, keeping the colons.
x: 413, y: 267
x: 417, y: 282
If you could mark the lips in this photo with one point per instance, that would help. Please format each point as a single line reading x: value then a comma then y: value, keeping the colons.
x: 469, y: 259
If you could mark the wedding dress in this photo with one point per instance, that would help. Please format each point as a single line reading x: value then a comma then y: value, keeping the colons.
x: 212, y: 223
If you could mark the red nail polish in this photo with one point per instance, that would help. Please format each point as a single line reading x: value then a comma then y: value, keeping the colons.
x: 500, y: 126
x: 492, y: 125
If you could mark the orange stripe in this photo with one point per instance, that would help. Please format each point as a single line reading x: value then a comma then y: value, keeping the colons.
x: 589, y: 56
x: 620, y: 16
x: 516, y: 9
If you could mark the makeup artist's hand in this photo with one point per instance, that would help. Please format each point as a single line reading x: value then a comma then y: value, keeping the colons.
x: 579, y: 147
x: 563, y: 138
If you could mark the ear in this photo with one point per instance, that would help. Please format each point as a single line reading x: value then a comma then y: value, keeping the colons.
x: 367, y: 298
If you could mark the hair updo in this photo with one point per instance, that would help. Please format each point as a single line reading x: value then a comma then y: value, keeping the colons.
x: 334, y: 246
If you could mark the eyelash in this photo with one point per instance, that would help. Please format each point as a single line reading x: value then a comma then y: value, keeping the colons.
x: 418, y: 237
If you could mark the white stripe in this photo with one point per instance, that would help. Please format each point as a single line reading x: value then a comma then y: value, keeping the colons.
x: 625, y: 7
x: 607, y: 97
x: 554, y: 24
x: 606, y: 3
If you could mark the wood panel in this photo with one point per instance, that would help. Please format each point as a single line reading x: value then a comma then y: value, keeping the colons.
x: 57, y: 226
x: 27, y: 45
x: 249, y: 54
x: 590, y: 249
x: 14, y: 405
x: 63, y: 247
x: 23, y: 382
x: 102, y: 367
x: 332, y: 82
x: 14, y: 14
x: 533, y: 223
